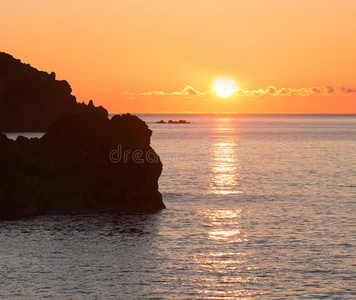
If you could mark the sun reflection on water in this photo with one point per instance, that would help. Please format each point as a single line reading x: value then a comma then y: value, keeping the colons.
x: 223, y: 268
x: 225, y: 169
x: 223, y: 272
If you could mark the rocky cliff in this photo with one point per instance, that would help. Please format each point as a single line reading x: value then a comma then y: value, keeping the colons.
x: 31, y: 100
x: 82, y: 162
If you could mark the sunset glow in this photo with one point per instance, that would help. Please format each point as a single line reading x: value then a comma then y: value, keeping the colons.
x: 177, y: 149
x: 137, y: 56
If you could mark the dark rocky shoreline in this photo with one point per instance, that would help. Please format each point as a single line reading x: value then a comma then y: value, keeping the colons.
x: 85, y: 161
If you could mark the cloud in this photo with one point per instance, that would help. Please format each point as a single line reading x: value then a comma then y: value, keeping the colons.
x: 157, y: 93
x: 127, y: 94
x: 316, y: 90
x: 188, y: 90
x: 330, y: 89
x: 253, y: 93
x: 272, y: 91
x: 348, y: 90
x: 284, y: 92
x: 302, y: 92
x: 269, y: 91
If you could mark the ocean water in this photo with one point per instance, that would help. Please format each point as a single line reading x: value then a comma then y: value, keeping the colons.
x: 258, y: 207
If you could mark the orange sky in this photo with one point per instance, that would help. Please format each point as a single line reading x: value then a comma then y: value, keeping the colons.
x: 139, y: 55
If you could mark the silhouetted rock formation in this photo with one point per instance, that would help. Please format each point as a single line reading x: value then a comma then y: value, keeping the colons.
x: 30, y: 100
x: 83, y: 162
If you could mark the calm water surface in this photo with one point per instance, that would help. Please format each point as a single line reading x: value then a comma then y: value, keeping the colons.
x: 258, y: 207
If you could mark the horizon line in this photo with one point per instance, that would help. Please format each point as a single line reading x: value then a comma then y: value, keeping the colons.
x: 224, y: 113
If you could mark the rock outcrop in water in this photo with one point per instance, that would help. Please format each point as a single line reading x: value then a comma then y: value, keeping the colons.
x: 83, y: 162
x: 31, y: 100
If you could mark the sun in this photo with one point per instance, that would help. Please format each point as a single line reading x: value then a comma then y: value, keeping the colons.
x: 224, y: 86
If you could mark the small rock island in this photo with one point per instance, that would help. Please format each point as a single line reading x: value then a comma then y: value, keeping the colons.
x: 85, y: 161
x: 173, y: 122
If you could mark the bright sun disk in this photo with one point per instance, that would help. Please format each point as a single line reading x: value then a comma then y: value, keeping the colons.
x: 224, y: 86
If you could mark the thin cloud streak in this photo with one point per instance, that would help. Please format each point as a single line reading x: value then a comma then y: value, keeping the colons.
x: 270, y: 91
x: 348, y: 90
x: 188, y: 90
x: 303, y: 92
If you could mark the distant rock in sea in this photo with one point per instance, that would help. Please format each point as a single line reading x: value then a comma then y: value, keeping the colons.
x: 31, y: 100
x: 173, y: 122
x: 83, y: 162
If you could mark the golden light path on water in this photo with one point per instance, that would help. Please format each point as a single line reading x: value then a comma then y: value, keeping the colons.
x: 225, y: 225
x: 225, y: 169
x: 226, y: 266
x: 217, y: 262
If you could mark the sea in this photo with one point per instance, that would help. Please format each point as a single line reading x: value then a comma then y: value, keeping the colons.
x: 258, y: 207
